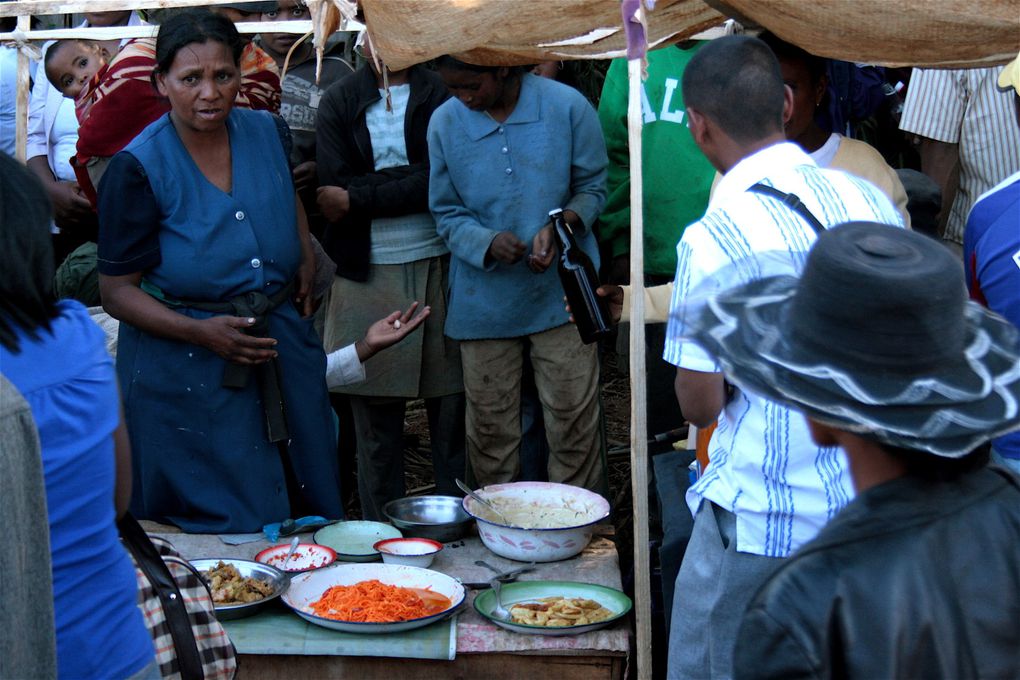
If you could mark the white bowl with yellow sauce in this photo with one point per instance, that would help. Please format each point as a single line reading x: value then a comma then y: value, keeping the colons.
x: 545, y: 522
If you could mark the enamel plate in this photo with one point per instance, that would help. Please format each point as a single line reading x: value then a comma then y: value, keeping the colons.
x: 308, y: 588
x: 529, y: 591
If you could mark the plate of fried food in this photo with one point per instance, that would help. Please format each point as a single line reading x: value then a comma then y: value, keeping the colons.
x: 555, y: 607
x: 373, y: 597
x: 239, y: 587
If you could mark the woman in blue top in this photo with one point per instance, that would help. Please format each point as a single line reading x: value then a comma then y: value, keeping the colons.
x: 56, y: 357
x: 503, y: 152
x: 205, y: 257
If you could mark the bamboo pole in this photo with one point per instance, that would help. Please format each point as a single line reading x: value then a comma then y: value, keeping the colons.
x: 37, y: 7
x: 638, y: 398
x: 125, y: 32
x: 23, y: 76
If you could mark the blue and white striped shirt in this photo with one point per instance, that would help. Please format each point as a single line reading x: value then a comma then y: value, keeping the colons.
x: 764, y: 467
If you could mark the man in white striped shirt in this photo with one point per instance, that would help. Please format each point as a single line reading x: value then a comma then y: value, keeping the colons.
x: 967, y: 126
x: 768, y: 488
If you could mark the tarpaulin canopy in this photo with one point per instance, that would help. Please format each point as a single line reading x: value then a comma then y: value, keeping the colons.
x: 888, y: 32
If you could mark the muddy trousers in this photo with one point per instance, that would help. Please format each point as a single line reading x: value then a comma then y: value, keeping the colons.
x: 567, y: 377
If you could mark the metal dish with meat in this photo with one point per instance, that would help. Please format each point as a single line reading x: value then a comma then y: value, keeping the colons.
x: 240, y: 587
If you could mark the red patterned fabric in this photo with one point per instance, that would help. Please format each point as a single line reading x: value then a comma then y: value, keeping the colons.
x: 121, y: 101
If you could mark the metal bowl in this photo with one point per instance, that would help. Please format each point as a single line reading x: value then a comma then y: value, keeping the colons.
x: 247, y: 568
x: 441, y: 518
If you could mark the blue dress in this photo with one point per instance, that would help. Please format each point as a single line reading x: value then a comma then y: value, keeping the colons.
x: 67, y: 378
x: 202, y: 456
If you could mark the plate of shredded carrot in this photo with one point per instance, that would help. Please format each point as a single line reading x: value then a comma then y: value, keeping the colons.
x: 373, y: 598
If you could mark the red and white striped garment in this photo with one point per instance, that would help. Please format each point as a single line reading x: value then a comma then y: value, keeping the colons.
x: 964, y: 106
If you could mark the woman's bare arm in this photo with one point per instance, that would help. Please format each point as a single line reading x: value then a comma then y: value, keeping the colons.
x: 123, y: 299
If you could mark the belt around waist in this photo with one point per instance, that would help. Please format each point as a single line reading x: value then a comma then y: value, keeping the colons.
x: 257, y: 305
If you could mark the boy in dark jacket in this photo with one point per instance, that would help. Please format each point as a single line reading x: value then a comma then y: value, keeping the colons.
x: 917, y: 576
x: 373, y: 168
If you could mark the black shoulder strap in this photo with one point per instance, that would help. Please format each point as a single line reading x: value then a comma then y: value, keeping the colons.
x: 792, y: 201
x: 189, y: 659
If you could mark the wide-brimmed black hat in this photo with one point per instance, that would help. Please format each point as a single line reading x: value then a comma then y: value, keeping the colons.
x: 876, y: 338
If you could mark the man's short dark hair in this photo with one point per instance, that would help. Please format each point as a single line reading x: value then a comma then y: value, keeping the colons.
x: 736, y: 82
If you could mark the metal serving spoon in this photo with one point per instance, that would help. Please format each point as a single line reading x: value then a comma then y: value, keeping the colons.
x: 499, y: 611
x: 466, y: 489
x: 290, y: 553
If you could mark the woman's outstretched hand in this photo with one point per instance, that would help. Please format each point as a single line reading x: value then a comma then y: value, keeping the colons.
x: 391, y: 330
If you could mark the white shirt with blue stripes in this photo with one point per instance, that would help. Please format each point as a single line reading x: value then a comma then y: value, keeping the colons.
x: 764, y: 467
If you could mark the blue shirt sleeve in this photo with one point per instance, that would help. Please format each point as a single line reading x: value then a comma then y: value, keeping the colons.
x: 464, y: 235
x: 129, y: 219
x: 588, y: 165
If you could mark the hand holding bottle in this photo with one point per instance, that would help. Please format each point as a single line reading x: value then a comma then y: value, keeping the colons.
x: 614, y: 301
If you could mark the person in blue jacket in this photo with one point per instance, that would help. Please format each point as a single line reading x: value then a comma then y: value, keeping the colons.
x: 506, y: 149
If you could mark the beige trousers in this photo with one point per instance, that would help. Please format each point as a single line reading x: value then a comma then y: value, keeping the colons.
x: 567, y: 378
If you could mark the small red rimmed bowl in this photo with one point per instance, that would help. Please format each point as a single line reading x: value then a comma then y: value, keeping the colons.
x: 306, y: 557
x: 412, y: 552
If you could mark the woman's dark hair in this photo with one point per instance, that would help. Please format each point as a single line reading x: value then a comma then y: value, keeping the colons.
x: 195, y: 26
x: 785, y: 51
x: 26, y: 255
x: 934, y: 468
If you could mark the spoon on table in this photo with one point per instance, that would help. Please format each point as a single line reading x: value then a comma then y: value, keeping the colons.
x: 290, y: 553
x: 506, y: 575
x: 466, y: 489
x: 499, y: 611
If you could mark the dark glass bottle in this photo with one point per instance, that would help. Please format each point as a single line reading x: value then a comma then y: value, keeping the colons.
x: 579, y: 279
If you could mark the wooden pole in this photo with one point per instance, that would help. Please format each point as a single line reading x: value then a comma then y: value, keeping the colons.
x: 38, y: 7
x: 124, y: 32
x: 21, y: 90
x: 638, y: 410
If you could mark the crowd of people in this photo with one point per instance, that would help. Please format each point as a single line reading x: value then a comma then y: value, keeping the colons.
x: 282, y: 264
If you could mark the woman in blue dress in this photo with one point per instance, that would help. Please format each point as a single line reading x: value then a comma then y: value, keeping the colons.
x: 205, y: 257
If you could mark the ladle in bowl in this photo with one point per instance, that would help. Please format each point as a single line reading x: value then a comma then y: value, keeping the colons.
x: 466, y: 489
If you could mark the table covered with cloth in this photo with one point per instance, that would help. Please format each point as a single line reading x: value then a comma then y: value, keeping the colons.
x: 278, y: 641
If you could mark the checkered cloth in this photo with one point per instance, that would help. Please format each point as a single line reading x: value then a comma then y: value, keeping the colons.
x: 214, y: 646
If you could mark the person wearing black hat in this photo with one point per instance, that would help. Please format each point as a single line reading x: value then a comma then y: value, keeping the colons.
x: 917, y: 576
x: 768, y: 488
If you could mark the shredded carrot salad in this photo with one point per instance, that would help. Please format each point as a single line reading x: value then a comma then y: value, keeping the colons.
x: 370, y: 602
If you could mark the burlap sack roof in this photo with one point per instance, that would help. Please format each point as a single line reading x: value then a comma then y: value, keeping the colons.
x: 888, y: 32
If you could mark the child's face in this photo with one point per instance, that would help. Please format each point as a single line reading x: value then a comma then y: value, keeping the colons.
x: 71, y: 69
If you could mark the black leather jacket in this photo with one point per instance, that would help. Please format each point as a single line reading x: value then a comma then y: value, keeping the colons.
x: 345, y: 159
x: 913, y: 579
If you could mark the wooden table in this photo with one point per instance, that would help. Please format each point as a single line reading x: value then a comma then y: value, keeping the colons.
x: 483, y: 649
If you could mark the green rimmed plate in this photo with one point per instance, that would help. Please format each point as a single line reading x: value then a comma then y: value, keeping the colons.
x: 528, y: 591
x: 353, y: 540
